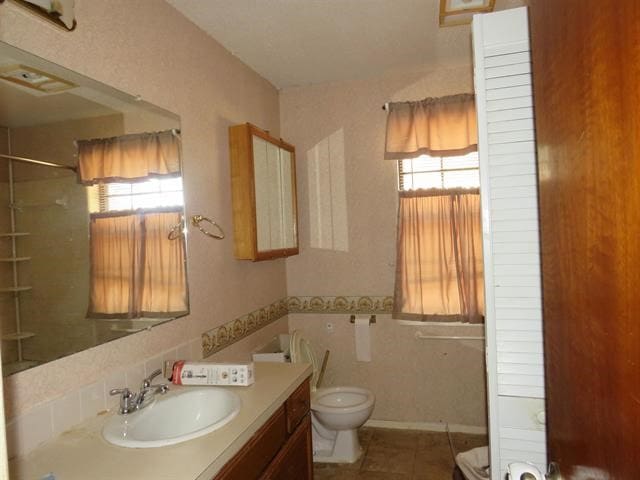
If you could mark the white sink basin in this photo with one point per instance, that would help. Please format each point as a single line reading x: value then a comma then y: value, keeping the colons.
x: 173, y: 418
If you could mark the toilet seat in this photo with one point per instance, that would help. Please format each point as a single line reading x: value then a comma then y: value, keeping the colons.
x: 301, y: 352
x: 341, y: 399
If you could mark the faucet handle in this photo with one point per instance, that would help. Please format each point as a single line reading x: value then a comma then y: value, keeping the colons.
x: 127, y: 399
x: 125, y: 392
x: 146, y: 383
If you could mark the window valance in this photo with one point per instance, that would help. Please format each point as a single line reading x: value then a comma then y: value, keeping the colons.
x: 433, y: 126
x: 129, y: 157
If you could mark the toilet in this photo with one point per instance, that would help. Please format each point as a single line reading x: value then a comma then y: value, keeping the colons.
x: 336, y: 412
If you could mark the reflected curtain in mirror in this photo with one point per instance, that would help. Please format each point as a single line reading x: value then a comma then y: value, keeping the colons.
x: 136, y: 271
x: 433, y: 126
x: 439, y: 273
x: 129, y: 157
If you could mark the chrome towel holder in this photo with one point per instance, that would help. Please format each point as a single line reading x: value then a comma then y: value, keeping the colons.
x: 176, y: 231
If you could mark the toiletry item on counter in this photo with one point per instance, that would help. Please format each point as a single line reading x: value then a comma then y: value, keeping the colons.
x: 208, y: 373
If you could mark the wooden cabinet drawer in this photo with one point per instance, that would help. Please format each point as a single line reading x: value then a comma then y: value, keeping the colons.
x: 254, y: 457
x: 295, y: 460
x: 298, y: 405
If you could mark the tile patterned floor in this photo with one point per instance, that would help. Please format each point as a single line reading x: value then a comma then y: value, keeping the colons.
x: 401, y: 455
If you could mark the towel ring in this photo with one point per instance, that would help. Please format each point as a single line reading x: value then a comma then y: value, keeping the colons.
x: 176, y: 231
x: 197, y: 219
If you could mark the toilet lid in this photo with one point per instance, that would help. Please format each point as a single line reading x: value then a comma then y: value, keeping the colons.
x: 301, y: 352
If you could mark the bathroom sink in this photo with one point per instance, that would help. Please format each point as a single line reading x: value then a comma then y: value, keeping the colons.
x: 174, y: 418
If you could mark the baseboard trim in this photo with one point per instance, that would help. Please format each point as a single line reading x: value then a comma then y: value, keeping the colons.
x: 428, y: 426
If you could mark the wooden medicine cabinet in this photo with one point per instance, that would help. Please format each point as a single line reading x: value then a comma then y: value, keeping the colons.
x: 263, y: 184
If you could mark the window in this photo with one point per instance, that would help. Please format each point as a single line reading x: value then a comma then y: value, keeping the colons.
x: 439, y: 235
x: 425, y: 172
x: 137, y: 267
x: 439, y: 274
x: 152, y: 193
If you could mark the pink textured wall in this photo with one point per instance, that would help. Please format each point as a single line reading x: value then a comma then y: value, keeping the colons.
x: 439, y: 381
x: 309, y: 115
x: 146, y: 47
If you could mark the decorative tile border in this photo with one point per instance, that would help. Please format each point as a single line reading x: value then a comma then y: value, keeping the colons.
x: 380, y: 304
x: 221, y: 337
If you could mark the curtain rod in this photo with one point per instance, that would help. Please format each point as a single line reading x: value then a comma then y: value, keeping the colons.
x: 386, y: 106
x: 37, y: 162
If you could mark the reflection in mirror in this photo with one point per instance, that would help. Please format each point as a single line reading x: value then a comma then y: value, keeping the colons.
x: 85, y: 255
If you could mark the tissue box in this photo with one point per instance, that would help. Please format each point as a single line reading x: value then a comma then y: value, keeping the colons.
x: 277, y: 350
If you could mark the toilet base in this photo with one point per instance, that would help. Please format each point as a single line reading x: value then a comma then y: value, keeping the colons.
x: 345, y: 448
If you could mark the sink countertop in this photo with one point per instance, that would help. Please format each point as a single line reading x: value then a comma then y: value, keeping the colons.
x: 82, y: 453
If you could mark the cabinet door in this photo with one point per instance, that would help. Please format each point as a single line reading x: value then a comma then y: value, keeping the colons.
x: 262, y: 190
x: 289, y: 234
x: 263, y: 183
x: 295, y: 460
x: 275, y: 197
x: 275, y: 214
x: 254, y: 457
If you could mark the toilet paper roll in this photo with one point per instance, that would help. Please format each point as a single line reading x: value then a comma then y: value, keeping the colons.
x: 523, y: 471
x: 363, y: 339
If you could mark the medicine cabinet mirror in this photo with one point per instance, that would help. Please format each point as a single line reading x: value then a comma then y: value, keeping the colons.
x: 263, y: 181
x: 61, y: 269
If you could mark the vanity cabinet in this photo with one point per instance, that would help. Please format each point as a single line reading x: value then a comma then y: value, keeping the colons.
x: 263, y: 184
x: 281, y: 449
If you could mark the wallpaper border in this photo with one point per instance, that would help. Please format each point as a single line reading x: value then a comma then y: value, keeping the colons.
x: 227, y: 334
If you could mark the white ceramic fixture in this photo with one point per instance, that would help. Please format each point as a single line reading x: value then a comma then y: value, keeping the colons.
x: 179, y: 416
x: 336, y: 412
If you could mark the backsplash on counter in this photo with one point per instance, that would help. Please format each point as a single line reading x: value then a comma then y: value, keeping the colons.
x: 50, y: 419
x: 44, y: 421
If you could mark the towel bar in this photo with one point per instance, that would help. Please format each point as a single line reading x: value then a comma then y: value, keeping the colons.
x: 421, y: 336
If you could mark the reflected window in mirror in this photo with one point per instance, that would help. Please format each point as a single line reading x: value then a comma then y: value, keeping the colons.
x: 46, y: 214
x: 137, y: 268
x: 166, y: 192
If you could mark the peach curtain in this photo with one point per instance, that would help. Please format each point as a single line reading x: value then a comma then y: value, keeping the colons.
x: 136, y: 271
x: 439, y: 273
x: 433, y: 126
x: 128, y: 158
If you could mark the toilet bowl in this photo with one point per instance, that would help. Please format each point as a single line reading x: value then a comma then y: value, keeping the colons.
x: 336, y: 412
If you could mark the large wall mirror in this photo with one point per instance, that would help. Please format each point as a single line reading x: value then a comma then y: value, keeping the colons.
x: 92, y: 243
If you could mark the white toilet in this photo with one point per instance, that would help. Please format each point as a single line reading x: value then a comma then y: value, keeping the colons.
x: 336, y: 412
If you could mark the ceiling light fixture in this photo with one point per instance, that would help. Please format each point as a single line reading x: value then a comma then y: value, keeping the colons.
x: 35, y: 79
x: 459, y: 12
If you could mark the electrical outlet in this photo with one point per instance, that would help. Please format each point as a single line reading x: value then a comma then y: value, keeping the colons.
x: 329, y: 327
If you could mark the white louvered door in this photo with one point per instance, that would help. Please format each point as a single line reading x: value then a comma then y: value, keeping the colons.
x: 506, y: 144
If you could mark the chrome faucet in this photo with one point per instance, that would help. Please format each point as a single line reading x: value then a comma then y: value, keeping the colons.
x: 130, y: 402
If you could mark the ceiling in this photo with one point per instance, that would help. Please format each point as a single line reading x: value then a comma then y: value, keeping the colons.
x: 301, y: 42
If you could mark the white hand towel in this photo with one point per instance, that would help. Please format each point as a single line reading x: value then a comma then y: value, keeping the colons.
x: 363, y: 340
